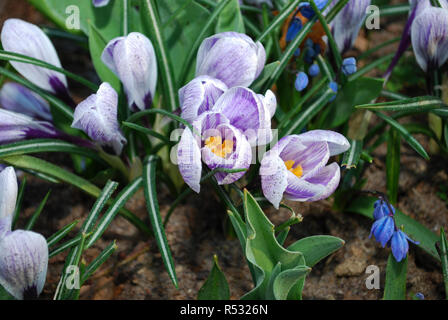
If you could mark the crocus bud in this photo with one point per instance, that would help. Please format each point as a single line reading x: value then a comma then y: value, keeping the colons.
x: 301, y: 81
x: 399, y: 245
x: 100, y: 3
x: 16, y: 127
x: 430, y: 38
x: 348, y: 22
x: 200, y: 95
x: 17, y: 98
x: 27, y: 39
x: 383, y: 229
x: 314, y: 70
x: 231, y: 57
x: 133, y: 60
x: 8, y: 197
x: 381, y: 209
x: 23, y: 263
x: 349, y: 66
x: 97, y: 116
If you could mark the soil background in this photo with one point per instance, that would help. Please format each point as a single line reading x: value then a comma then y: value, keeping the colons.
x: 196, y: 230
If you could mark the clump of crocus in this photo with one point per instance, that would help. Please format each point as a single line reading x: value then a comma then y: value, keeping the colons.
x: 27, y: 39
x: 387, y: 232
x: 97, y: 116
x: 23, y: 254
x: 133, y: 60
x: 296, y: 167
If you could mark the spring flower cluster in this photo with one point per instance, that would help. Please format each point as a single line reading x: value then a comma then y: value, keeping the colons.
x: 386, y: 231
x: 23, y: 254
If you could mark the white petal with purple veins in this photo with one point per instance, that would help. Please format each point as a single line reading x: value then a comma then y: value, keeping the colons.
x: 329, y: 178
x: 189, y: 160
x: 133, y: 60
x: 274, y: 179
x: 8, y: 198
x: 336, y: 142
x: 23, y: 263
x: 27, y: 39
x: 97, y: 116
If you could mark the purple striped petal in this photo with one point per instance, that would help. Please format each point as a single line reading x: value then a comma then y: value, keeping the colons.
x: 430, y: 38
x: 231, y: 57
x: 336, y: 142
x: 27, y: 39
x: 189, y: 160
x: 199, y: 96
x: 133, y: 60
x: 301, y: 190
x: 274, y: 178
x: 8, y: 198
x: 17, y: 98
x: 329, y: 178
x: 100, y: 3
x: 23, y: 263
x: 97, y: 117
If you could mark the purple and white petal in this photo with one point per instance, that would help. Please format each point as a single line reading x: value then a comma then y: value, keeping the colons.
x: 23, y: 263
x: 430, y: 38
x: 274, y: 178
x: 8, y: 198
x: 97, y: 117
x: 17, y: 98
x: 133, y: 60
x: 189, y: 160
x: 313, y: 158
x: 336, y: 142
x: 301, y: 190
x: 100, y: 3
x: 27, y: 39
x: 328, y: 177
x: 231, y: 57
x: 199, y: 96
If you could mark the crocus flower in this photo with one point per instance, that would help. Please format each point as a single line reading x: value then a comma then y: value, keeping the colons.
x: 349, y: 66
x: 133, y: 60
x: 17, y: 98
x: 296, y: 167
x: 100, y: 3
x: 383, y: 229
x: 97, y: 116
x: 429, y: 36
x: 23, y: 263
x: 301, y: 82
x: 8, y: 197
x: 234, y: 58
x: 200, y: 95
x: 27, y: 39
x: 399, y: 245
x: 348, y: 22
x: 381, y: 209
x: 16, y: 127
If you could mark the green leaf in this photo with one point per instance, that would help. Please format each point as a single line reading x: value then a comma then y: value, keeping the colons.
x: 419, y: 104
x: 286, y: 280
x: 395, y: 287
x: 19, y: 202
x: 37, y: 213
x: 416, y: 231
x: 4, y: 295
x: 264, y: 76
x: 230, y: 19
x: 355, y: 92
x: 316, y: 248
x: 393, y: 165
x: 60, y: 234
x: 152, y: 205
x: 98, y: 261
x: 352, y: 156
x: 216, y: 286
x: 443, y: 252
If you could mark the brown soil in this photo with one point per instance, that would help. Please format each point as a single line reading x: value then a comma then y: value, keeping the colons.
x: 196, y: 230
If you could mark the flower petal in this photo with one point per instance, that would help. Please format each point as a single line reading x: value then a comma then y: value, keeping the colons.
x: 274, y: 179
x: 336, y: 142
x: 100, y: 3
x: 189, y: 160
x: 328, y: 177
x: 8, y: 198
x: 299, y: 189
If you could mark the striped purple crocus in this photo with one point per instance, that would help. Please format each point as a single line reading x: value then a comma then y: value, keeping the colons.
x: 296, y: 167
x: 234, y: 58
x: 22, y: 37
x: 224, y: 136
x: 133, y: 60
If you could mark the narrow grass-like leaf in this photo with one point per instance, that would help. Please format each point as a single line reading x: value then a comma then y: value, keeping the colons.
x: 138, y: 115
x: 152, y: 205
x: 60, y: 234
x: 19, y: 202
x: 282, y: 235
x: 66, y: 245
x: 216, y: 286
x: 230, y: 19
x: 393, y: 165
x: 396, y: 272
x: 37, y: 213
x: 147, y: 131
x: 98, y: 261
x: 419, y: 104
x: 367, y: 68
x: 264, y: 76
x: 405, y: 134
x: 352, y: 156
x: 443, y: 252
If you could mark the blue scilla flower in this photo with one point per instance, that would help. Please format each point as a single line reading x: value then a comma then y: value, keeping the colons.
x: 399, y: 245
x: 383, y: 230
x: 310, y: 54
x: 301, y: 81
x: 314, y: 70
x: 349, y: 66
x: 297, y: 52
x: 333, y: 86
x: 294, y: 27
x: 381, y: 209
x: 419, y: 296
x: 307, y: 11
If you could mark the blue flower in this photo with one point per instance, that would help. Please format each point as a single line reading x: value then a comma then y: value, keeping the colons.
x: 419, y: 296
x: 333, y: 86
x: 314, y: 70
x: 383, y: 230
x: 399, y: 244
x: 297, y: 52
x: 349, y: 66
x: 294, y: 27
x: 381, y: 209
x: 301, y: 81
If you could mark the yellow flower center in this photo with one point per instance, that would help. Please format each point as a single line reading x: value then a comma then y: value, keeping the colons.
x: 297, y: 171
x: 219, y: 148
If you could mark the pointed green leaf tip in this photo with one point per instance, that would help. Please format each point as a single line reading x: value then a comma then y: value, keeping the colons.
x: 216, y: 286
